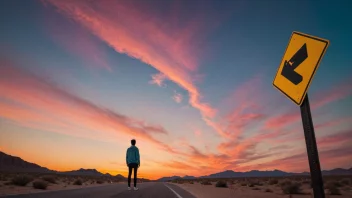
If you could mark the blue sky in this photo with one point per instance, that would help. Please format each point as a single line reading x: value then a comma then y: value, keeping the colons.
x: 224, y: 54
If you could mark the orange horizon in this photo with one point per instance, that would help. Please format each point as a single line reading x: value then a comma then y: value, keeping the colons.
x: 151, y: 176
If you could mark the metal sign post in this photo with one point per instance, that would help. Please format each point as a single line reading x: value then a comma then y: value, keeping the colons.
x: 298, y: 66
x: 312, y: 150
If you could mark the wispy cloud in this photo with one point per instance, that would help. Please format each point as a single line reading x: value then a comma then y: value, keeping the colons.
x: 197, y: 132
x: 292, y: 116
x: 35, y: 102
x: 283, y: 120
x: 130, y: 30
x: 144, y: 36
x: 337, y: 92
x: 337, y: 138
x: 178, y: 165
x: 158, y: 79
x: 274, y: 128
x: 177, y: 97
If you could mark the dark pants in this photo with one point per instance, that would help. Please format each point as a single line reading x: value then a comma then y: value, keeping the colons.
x: 133, y: 166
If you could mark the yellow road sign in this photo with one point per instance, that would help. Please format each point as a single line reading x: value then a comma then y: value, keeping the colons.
x: 299, y: 64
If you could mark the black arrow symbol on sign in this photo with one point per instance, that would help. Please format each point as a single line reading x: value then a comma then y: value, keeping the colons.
x: 288, y: 71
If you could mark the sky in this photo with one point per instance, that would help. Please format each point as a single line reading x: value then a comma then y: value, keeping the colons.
x: 191, y: 81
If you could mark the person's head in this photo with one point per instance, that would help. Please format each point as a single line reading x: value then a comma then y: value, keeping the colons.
x: 133, y: 142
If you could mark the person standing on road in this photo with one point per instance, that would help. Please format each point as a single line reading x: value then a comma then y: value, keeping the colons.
x: 133, y: 162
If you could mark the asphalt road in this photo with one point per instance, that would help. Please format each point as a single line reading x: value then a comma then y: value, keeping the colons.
x: 146, y: 190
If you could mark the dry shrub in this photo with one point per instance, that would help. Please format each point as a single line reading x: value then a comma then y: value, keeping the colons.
x: 333, y: 188
x: 254, y: 183
x: 205, y: 182
x: 191, y: 182
x: 284, y: 182
x: 221, y: 184
x: 39, y: 184
x: 273, y: 181
x: 77, y: 182
x: 268, y: 190
x: 333, y: 183
x: 346, y: 188
x: 50, y: 179
x: 346, y: 181
x: 21, y: 180
x: 255, y: 188
x: 243, y: 184
x: 100, y: 181
x: 231, y: 181
x: 306, y: 181
x: 291, y: 187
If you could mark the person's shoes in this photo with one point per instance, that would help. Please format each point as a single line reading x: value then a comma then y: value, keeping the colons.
x: 129, y: 188
x: 135, y: 188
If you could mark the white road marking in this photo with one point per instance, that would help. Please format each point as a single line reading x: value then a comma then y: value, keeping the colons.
x: 178, y: 196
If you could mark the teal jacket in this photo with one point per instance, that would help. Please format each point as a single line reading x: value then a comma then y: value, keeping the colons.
x: 132, y: 155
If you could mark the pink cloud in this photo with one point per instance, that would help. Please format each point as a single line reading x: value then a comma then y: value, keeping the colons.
x: 283, y: 120
x: 197, y: 133
x: 299, y: 162
x: 335, y: 139
x: 178, y: 165
x: 39, y: 104
x: 340, y: 91
x: 153, y: 42
x: 246, y: 94
x: 273, y: 130
x: 337, y: 92
x: 128, y: 29
x: 246, y: 113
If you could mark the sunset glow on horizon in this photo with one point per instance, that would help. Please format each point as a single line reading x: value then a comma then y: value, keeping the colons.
x: 190, y: 81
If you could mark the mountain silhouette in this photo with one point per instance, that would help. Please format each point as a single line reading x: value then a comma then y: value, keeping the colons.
x: 252, y: 173
x: 84, y: 172
x: 188, y: 177
x: 338, y: 171
x: 9, y: 163
x: 163, y: 179
x: 257, y: 173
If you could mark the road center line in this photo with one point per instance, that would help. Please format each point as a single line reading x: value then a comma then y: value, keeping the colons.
x: 178, y: 196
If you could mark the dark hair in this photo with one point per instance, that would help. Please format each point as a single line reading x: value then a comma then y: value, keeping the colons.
x: 133, y: 142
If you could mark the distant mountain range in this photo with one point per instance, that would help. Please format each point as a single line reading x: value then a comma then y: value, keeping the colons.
x: 9, y: 163
x: 85, y: 172
x: 257, y: 173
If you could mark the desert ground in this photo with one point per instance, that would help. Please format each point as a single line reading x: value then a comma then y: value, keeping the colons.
x: 295, y: 187
x: 278, y: 187
x: 30, y: 183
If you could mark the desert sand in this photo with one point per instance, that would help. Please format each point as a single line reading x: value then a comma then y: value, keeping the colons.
x: 237, y: 190
x: 10, y: 189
